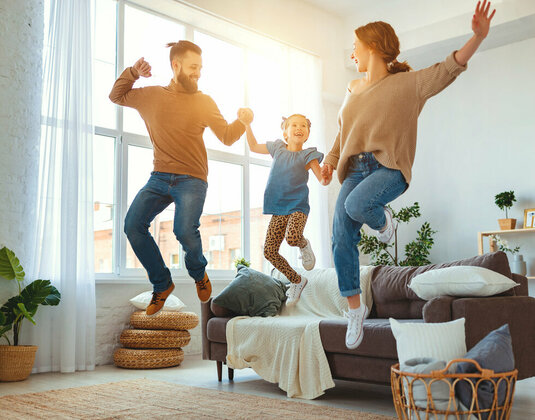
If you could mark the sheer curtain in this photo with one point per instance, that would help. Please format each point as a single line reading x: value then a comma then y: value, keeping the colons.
x: 305, y: 96
x: 63, y: 247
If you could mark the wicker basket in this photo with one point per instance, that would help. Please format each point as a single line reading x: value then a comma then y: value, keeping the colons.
x: 154, y: 339
x: 16, y: 362
x: 407, y: 409
x: 147, y: 359
x: 164, y: 320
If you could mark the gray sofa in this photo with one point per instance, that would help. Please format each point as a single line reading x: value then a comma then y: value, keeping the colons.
x: 372, y: 360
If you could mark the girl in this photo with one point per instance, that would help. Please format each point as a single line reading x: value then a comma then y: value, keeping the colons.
x: 286, y: 197
x: 376, y: 142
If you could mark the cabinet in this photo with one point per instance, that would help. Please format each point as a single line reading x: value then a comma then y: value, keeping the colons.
x: 492, y: 245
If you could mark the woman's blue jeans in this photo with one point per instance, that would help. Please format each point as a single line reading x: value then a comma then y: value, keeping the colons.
x: 366, y: 190
x: 188, y: 193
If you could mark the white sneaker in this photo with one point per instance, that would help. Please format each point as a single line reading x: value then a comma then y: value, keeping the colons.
x: 294, y: 291
x: 391, y: 224
x: 355, y: 332
x: 307, y: 256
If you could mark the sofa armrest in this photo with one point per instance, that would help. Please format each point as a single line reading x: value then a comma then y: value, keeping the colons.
x: 206, y: 314
x: 438, y: 309
x: 482, y: 315
x: 521, y: 290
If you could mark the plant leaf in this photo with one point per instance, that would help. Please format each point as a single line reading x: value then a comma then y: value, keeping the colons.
x: 10, y: 267
x: 40, y: 292
x: 26, y: 314
x: 2, y: 318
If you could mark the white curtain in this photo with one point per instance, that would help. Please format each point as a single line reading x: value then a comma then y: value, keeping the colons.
x: 306, y: 97
x: 63, y: 248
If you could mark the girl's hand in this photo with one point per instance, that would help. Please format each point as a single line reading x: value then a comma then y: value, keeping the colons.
x: 481, y: 20
x: 142, y: 68
x: 326, y: 174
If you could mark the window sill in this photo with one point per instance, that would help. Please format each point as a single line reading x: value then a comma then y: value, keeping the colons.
x: 215, y: 277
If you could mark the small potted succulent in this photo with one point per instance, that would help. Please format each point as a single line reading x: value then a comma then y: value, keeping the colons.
x: 16, y: 361
x: 505, y: 201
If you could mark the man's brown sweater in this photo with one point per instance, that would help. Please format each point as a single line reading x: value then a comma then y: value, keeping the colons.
x: 383, y: 118
x: 176, y: 120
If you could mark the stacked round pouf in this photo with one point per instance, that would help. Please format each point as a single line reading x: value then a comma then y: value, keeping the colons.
x: 155, y: 341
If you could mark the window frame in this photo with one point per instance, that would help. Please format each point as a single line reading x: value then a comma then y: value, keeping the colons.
x: 122, y: 140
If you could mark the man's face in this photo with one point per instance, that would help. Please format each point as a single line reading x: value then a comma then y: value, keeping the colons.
x: 187, y: 70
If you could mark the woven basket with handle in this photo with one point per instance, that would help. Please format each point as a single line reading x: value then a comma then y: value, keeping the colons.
x: 408, y: 407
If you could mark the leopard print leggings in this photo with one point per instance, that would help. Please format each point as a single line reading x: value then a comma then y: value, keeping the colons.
x: 291, y: 226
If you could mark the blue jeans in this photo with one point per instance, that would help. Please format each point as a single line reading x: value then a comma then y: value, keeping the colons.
x: 188, y: 193
x: 366, y: 190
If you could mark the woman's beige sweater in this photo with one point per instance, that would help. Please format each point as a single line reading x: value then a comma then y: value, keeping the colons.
x: 383, y: 118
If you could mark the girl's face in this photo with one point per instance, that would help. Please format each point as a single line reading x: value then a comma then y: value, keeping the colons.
x: 360, y: 55
x: 297, y: 130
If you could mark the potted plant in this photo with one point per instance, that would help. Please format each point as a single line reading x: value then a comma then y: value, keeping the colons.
x: 416, y: 252
x: 241, y: 261
x: 16, y: 361
x: 505, y: 201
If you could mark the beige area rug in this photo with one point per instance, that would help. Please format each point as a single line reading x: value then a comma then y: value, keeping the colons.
x: 148, y: 399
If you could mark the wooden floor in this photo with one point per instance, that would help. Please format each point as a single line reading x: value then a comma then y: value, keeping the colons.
x: 197, y: 372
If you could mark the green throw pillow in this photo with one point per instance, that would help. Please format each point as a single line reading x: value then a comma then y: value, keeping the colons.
x: 252, y: 293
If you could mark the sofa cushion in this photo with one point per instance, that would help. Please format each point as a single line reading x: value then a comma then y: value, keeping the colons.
x: 441, y: 340
x: 393, y: 298
x: 494, y: 352
x: 252, y: 293
x: 460, y: 281
x: 378, y: 340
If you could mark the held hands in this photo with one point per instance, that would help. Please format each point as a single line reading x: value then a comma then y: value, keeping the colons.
x: 326, y: 174
x: 142, y: 68
x: 245, y: 115
x: 481, y: 20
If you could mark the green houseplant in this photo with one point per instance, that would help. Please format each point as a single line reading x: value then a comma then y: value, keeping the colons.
x: 16, y: 361
x: 416, y: 251
x: 505, y: 200
x: 241, y: 261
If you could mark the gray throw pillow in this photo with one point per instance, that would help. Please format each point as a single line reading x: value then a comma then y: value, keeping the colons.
x: 495, y: 352
x: 252, y: 293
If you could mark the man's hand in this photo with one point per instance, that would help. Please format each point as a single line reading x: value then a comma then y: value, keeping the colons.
x: 245, y: 115
x: 142, y: 68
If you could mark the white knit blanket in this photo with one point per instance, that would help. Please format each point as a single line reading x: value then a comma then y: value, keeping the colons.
x: 286, y: 349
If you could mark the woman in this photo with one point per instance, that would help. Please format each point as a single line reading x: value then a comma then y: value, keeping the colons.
x: 375, y: 146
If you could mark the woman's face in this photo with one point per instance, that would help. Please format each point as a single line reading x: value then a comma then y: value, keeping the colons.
x: 360, y: 55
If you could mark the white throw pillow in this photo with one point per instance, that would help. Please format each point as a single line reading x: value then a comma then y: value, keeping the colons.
x: 172, y: 303
x: 441, y: 340
x: 460, y: 281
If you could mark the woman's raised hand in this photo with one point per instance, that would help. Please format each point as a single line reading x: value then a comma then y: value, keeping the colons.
x: 142, y: 68
x: 481, y: 19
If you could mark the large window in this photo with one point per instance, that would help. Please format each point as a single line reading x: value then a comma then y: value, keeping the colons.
x: 234, y: 75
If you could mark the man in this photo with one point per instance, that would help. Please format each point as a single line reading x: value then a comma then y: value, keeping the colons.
x: 175, y: 116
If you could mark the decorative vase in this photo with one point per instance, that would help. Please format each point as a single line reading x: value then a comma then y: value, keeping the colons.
x: 507, y: 224
x: 16, y: 362
x: 519, y: 265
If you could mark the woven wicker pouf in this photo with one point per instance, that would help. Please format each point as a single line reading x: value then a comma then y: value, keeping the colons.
x: 154, y: 339
x: 165, y: 320
x: 147, y: 359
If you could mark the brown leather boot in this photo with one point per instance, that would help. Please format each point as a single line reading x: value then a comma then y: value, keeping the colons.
x: 204, y: 288
x: 158, y: 300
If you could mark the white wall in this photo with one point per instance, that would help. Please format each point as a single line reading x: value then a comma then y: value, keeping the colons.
x: 475, y: 140
x: 21, y: 35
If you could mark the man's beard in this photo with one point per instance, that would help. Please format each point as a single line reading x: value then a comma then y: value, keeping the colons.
x: 188, y: 84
